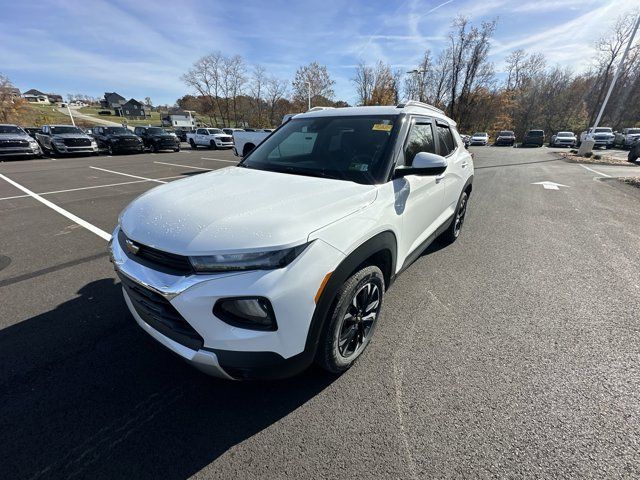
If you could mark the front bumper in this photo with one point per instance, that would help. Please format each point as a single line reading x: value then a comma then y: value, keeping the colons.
x: 224, y: 144
x: 82, y: 149
x: 228, y: 351
x: 505, y: 141
x: 121, y: 148
x: 20, y: 151
x: 478, y: 142
x: 600, y: 142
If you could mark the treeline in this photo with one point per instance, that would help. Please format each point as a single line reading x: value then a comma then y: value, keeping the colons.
x: 528, y: 93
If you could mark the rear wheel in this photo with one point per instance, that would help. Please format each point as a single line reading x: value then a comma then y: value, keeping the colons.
x: 352, y: 321
x: 453, y: 232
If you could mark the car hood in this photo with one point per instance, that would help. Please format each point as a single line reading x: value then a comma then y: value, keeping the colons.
x: 239, y: 209
x: 14, y: 136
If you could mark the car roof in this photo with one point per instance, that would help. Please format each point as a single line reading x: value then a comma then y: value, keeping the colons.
x: 409, y: 107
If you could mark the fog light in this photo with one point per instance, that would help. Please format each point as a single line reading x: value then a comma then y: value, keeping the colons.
x: 253, y: 313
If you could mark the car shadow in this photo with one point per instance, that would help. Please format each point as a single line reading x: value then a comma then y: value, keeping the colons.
x: 86, y: 393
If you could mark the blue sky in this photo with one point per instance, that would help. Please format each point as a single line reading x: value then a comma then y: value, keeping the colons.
x: 141, y: 48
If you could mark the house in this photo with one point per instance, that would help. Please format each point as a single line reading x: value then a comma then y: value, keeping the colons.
x: 53, y: 98
x: 35, y: 96
x: 133, y: 109
x: 179, y: 119
x: 112, y: 100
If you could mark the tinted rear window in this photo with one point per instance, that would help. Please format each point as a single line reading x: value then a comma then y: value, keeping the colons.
x: 535, y: 133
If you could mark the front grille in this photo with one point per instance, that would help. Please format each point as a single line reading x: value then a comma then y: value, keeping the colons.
x: 13, y: 143
x: 225, y: 139
x: 129, y: 142
x: 156, y: 259
x: 158, y: 312
x: 77, y: 142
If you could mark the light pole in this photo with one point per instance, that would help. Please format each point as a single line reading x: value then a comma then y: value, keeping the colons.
x: 589, y: 142
x: 420, y: 72
x: 309, y: 92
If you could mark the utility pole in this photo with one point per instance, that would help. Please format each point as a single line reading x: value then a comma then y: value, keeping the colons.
x: 588, y: 144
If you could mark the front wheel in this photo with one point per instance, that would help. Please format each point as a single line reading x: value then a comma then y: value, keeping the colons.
x: 177, y: 149
x: 452, y: 233
x: 212, y: 145
x: 352, y: 321
x: 632, y: 157
x: 193, y: 144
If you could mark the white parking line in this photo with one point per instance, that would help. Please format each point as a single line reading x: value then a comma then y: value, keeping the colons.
x: 594, y: 171
x: 90, y: 188
x: 129, y: 175
x: 92, y: 228
x: 185, y: 166
x: 220, y: 160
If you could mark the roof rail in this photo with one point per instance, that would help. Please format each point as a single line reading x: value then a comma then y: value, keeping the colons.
x: 415, y: 103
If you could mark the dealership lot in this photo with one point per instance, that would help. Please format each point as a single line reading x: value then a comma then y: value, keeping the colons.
x: 511, y: 353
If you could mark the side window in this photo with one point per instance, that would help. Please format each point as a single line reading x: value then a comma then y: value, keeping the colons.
x: 420, y: 139
x: 446, y: 144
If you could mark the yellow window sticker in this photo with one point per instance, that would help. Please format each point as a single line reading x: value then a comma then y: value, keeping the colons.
x: 382, y: 127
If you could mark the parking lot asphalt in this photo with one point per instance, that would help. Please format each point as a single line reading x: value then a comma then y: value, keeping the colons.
x: 512, y: 353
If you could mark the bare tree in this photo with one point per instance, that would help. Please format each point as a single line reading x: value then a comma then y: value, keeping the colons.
x: 204, y: 78
x: 316, y: 78
x: 257, y: 90
x: 275, y: 91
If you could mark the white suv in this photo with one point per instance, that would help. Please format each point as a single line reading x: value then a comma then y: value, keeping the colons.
x: 257, y: 270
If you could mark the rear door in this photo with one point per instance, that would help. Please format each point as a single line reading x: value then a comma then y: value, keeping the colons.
x: 458, y: 159
x: 419, y: 199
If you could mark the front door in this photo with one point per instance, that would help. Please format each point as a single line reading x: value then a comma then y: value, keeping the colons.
x: 419, y: 199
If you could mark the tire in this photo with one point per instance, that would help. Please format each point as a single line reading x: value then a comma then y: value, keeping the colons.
x: 452, y: 233
x: 177, y: 149
x: 361, y: 296
x: 109, y: 150
x: 212, y: 145
x: 193, y: 144
x: 632, y: 157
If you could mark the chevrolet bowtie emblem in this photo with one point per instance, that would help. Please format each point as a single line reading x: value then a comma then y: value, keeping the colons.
x: 132, y: 247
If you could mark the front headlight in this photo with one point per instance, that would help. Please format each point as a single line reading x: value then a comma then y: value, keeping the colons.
x: 229, y: 262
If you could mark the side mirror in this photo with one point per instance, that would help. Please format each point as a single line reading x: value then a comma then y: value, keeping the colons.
x: 424, y: 163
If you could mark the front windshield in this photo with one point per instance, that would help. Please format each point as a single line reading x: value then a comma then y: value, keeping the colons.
x: 633, y: 131
x: 156, y: 131
x: 116, y: 131
x: 61, y: 130
x: 565, y: 134
x: 477, y: 134
x: 11, y: 129
x: 505, y: 133
x: 213, y: 131
x: 535, y: 133
x: 603, y: 130
x: 354, y: 148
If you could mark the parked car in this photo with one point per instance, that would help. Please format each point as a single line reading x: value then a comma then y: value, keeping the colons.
x: 65, y: 139
x: 534, y: 138
x: 480, y: 138
x: 634, y: 151
x: 626, y: 138
x: 603, y: 136
x: 115, y: 140
x: 563, y: 139
x: 32, y: 131
x: 258, y: 270
x: 244, y: 142
x: 229, y: 131
x: 506, y: 137
x: 15, y: 142
x: 209, y: 137
x: 156, y: 139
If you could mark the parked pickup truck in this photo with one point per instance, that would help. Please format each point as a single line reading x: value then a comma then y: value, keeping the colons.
x: 14, y: 141
x: 603, y: 136
x: 246, y: 141
x: 626, y: 137
x: 210, y: 138
x: 61, y: 139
